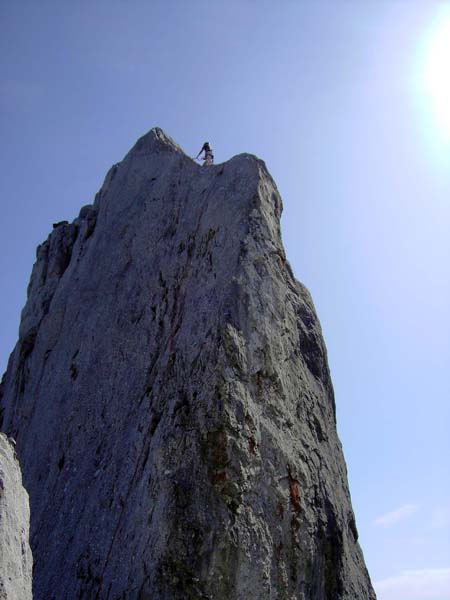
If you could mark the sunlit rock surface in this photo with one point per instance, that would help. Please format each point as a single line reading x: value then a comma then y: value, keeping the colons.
x: 171, y: 398
x: 16, y: 561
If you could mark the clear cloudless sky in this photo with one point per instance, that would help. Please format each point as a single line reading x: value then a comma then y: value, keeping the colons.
x: 348, y: 103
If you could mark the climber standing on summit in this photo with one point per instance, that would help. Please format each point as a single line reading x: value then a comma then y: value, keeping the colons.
x: 208, y: 159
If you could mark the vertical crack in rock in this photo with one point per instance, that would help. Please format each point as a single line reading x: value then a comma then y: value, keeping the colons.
x: 171, y: 398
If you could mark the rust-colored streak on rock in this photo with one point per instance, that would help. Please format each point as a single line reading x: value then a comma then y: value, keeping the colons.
x: 294, y: 490
x: 219, y: 477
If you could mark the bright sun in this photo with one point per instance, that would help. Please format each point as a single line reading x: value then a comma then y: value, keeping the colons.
x: 436, y: 75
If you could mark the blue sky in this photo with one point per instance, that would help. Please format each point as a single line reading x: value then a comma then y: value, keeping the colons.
x: 349, y: 105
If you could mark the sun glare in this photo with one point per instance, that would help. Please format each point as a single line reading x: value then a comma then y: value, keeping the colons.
x: 436, y: 76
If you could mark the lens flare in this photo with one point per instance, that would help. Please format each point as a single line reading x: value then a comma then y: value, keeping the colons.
x: 436, y: 75
x: 435, y: 81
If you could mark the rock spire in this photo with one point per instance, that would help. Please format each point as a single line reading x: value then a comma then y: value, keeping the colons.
x: 171, y: 398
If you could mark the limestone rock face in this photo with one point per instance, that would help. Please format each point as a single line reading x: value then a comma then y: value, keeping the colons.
x: 16, y: 561
x: 171, y: 398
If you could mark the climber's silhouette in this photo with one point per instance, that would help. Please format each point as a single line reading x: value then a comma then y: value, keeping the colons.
x: 208, y: 159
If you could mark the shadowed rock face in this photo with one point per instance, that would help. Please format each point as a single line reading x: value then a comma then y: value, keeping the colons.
x: 16, y: 561
x: 171, y: 398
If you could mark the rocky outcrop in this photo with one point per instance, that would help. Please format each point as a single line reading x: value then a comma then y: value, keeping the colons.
x: 16, y: 561
x: 171, y: 398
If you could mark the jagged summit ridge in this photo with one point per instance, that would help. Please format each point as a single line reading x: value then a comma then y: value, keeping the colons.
x: 155, y: 141
x: 171, y: 398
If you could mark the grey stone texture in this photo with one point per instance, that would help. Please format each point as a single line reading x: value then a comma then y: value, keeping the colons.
x: 16, y: 561
x: 171, y: 398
